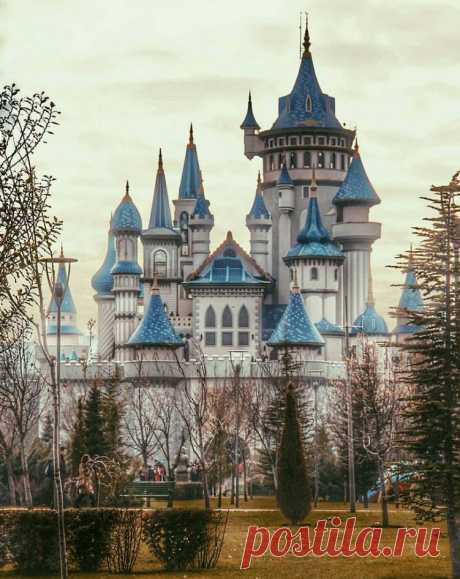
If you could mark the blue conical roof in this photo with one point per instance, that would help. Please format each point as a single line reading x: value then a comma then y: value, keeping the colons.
x: 190, y: 182
x: 249, y: 120
x: 295, y: 327
x: 370, y: 323
x: 155, y: 328
x: 201, y: 208
x: 326, y: 327
x: 284, y: 178
x: 356, y: 189
x: 314, y: 239
x: 306, y: 105
x: 160, y: 215
x: 411, y: 297
x: 126, y: 217
x: 259, y: 209
x: 68, y: 305
x: 102, y: 280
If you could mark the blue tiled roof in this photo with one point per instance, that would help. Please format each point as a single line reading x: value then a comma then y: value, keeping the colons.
x: 126, y: 216
x: 284, y: 178
x: 126, y: 267
x: 102, y: 280
x: 326, y: 327
x: 292, y: 109
x: 370, y: 323
x: 259, y: 209
x: 51, y: 330
x: 409, y: 328
x: 190, y: 183
x: 68, y: 305
x: 314, y: 239
x: 155, y: 328
x: 271, y: 315
x: 295, y: 327
x: 227, y: 271
x: 160, y: 214
x: 411, y: 297
x: 249, y: 120
x: 201, y: 208
x: 356, y: 189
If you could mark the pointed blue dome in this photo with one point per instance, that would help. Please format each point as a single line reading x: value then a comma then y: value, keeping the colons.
x: 284, y: 177
x: 249, y: 120
x: 356, y: 189
x: 370, y: 323
x: 155, y: 328
x: 160, y: 214
x: 295, y: 327
x: 411, y: 297
x: 68, y: 305
x: 102, y: 280
x: 201, y: 208
x: 126, y: 217
x: 328, y: 328
x: 314, y: 239
x: 259, y: 209
x: 126, y: 267
x: 306, y: 105
x: 190, y: 182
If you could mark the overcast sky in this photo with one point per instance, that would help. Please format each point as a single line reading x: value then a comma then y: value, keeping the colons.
x: 130, y: 76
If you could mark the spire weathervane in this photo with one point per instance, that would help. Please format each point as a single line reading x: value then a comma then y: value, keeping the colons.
x: 306, y: 39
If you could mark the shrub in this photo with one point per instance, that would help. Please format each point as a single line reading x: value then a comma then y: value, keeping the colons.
x: 32, y: 540
x: 126, y: 540
x: 89, y: 534
x: 184, y: 538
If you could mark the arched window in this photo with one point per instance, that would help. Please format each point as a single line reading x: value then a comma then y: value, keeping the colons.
x: 281, y: 160
x: 160, y: 263
x: 314, y: 273
x: 307, y: 159
x: 227, y: 318
x: 243, y: 317
x: 320, y: 157
x: 308, y: 104
x: 293, y: 160
x: 183, y: 221
x: 333, y: 162
x: 210, y: 318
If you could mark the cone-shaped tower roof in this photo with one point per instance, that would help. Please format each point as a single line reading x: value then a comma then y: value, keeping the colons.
x: 126, y: 218
x: 259, y: 209
x: 191, y: 175
x: 249, y: 120
x: 356, y: 189
x: 102, y: 280
x: 160, y: 214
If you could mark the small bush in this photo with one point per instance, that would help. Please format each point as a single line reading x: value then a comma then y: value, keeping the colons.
x: 89, y: 535
x: 32, y: 540
x: 126, y: 540
x: 183, y: 539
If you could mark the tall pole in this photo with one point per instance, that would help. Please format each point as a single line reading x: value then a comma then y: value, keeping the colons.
x: 237, y: 435
x: 315, y: 390
x: 349, y: 396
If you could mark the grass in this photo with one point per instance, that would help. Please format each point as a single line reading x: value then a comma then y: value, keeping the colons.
x: 406, y: 567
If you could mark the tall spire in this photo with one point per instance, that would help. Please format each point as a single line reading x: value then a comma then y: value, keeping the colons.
x: 127, y: 196
x: 250, y: 120
x: 306, y: 39
x: 160, y: 215
x: 191, y: 174
x: 259, y: 209
x: 190, y: 135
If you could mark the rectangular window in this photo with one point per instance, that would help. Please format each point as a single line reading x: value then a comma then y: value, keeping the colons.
x: 281, y: 160
x: 293, y: 141
x: 210, y: 338
x: 227, y: 338
x: 332, y: 161
x: 281, y: 142
x: 342, y: 162
x: 306, y: 192
x: 271, y: 143
x: 320, y: 158
x: 333, y: 141
x: 243, y: 338
x: 307, y: 140
x: 292, y: 160
x: 320, y: 140
x: 307, y: 159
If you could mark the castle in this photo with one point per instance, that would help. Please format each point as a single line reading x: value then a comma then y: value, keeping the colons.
x: 305, y: 282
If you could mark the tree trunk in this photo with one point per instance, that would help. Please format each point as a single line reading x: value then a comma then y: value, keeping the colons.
x: 11, y: 481
x: 453, y: 529
x: 25, y: 476
x: 385, y: 515
x: 245, y: 479
x: 232, y: 492
x: 219, y: 499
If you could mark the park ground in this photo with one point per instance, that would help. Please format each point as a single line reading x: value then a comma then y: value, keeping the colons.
x: 263, y: 512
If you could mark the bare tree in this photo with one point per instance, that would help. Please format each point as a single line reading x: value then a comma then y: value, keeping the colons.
x: 140, y: 422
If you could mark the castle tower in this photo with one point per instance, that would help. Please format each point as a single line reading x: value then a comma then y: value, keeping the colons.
x: 306, y: 134
x: 370, y: 323
x: 154, y: 338
x: 317, y: 261
x: 126, y: 227
x: 285, y: 204
x: 201, y: 224
x: 161, y: 246
x: 70, y: 334
x: 102, y: 282
x: 356, y: 233
x: 189, y: 191
x: 259, y: 223
x: 411, y: 301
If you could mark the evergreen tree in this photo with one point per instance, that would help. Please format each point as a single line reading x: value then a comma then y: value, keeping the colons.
x: 47, y: 431
x: 77, y: 438
x: 433, y: 421
x: 94, y: 438
x: 294, y: 492
x: 112, y: 413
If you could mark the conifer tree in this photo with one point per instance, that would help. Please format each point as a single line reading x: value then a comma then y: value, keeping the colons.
x: 293, y: 492
x: 77, y: 438
x: 433, y: 422
x: 94, y: 439
x: 112, y: 413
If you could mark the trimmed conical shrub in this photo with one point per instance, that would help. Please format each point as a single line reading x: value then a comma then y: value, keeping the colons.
x: 294, y: 490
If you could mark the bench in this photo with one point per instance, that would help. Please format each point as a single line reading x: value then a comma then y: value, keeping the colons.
x: 147, y: 490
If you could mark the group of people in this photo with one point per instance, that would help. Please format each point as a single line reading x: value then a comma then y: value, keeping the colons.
x: 156, y: 473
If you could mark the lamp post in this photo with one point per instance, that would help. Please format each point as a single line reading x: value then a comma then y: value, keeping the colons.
x: 350, y: 437
x: 58, y: 291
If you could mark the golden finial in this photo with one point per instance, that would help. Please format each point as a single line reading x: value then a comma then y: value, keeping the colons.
x: 259, y: 183
x: 127, y: 196
x: 356, y: 154
x: 190, y: 136
x: 306, y: 39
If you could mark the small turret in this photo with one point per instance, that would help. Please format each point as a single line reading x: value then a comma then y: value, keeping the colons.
x: 286, y: 191
x: 201, y: 224
x: 259, y: 223
x: 370, y: 323
x: 251, y: 129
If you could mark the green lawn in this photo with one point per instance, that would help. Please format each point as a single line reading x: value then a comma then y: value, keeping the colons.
x: 315, y: 568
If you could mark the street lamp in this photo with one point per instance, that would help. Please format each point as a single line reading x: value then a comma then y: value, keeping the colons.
x: 58, y: 291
